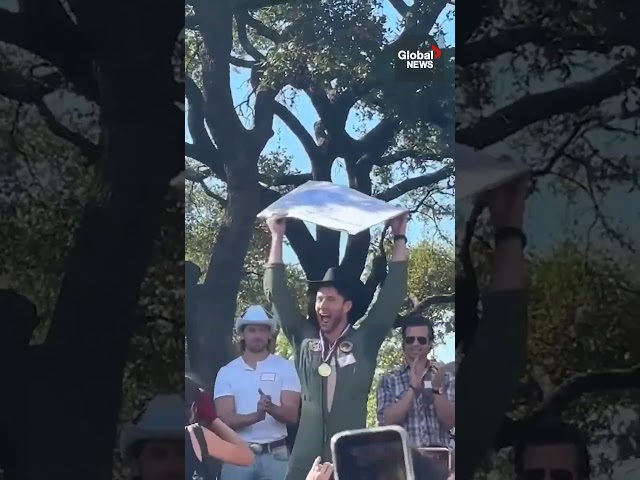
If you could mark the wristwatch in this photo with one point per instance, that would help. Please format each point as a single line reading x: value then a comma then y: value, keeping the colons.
x: 416, y: 390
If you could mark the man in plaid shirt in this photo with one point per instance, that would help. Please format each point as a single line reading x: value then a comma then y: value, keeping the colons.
x: 416, y: 395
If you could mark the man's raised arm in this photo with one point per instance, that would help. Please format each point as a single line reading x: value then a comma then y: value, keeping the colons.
x: 393, y: 293
x: 501, y: 338
x: 275, y: 286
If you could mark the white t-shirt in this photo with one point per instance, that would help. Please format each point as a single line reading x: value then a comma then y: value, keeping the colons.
x: 272, y: 375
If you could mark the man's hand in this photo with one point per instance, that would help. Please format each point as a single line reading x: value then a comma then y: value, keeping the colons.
x: 437, y: 381
x: 399, y: 224
x: 416, y: 374
x: 506, y: 204
x: 320, y: 471
x: 277, y: 225
x: 264, y: 404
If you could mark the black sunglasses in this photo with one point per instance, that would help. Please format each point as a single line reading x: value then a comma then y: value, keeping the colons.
x: 546, y: 474
x: 411, y: 340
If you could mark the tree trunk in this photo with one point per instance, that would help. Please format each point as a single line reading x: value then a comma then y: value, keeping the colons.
x: 217, y: 300
x: 75, y: 379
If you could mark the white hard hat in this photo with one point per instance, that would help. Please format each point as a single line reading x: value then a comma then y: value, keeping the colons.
x: 256, y: 315
x: 162, y: 419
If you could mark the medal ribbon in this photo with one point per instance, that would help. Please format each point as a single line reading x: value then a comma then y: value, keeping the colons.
x: 325, y: 359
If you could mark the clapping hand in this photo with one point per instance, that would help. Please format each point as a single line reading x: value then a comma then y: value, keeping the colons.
x: 437, y: 381
x: 416, y: 374
x: 264, y: 404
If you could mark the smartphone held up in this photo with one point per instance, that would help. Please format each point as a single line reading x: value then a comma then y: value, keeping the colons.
x: 381, y: 452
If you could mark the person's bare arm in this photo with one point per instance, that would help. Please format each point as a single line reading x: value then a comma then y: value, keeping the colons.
x: 223, y: 444
x: 445, y: 411
x: 226, y: 408
x: 399, y: 227
x: 391, y: 409
x: 501, y: 337
x: 396, y: 413
x: 287, y: 411
x: 445, y: 404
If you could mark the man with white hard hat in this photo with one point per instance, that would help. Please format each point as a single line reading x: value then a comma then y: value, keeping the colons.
x: 153, y: 444
x: 258, y: 395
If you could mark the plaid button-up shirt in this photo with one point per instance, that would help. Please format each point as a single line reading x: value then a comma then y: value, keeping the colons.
x: 422, y: 425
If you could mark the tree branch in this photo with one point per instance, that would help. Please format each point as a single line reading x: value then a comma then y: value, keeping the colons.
x: 394, y: 157
x: 200, y: 179
x: 433, y: 300
x: 475, y: 14
x: 43, y: 28
x: 533, y: 108
x: 86, y: 146
x: 295, y: 179
x: 28, y: 88
x: 509, y: 40
x: 380, y: 136
x: 293, y: 123
x: 589, y: 382
x: 333, y: 120
x: 261, y: 29
x: 401, y: 7
x: 574, y: 387
x: 424, y: 304
x: 241, y: 62
x: 217, y: 35
x: 243, y: 37
x: 420, y: 19
x: 240, y: 5
x: 410, y: 184
x: 202, y: 148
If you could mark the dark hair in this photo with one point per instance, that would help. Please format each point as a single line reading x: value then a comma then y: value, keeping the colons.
x: 241, y: 343
x: 418, y: 321
x: 553, y: 432
x: 427, y: 468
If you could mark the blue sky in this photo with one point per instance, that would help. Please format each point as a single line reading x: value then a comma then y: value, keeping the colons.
x: 284, y: 140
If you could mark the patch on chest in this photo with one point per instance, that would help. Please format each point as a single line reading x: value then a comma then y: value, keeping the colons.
x: 346, y: 347
x: 346, y: 359
x: 315, y: 346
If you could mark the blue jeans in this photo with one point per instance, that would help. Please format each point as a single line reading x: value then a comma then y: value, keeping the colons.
x: 267, y: 466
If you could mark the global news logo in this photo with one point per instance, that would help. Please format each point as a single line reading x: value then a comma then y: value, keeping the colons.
x: 419, y: 59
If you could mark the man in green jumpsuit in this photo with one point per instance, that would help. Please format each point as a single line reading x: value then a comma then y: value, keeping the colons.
x: 488, y: 376
x: 335, y: 362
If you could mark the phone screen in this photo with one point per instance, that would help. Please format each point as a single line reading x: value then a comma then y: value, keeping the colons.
x: 377, y: 455
x: 440, y: 456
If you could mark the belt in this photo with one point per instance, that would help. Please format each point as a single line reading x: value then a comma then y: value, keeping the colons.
x: 263, y: 448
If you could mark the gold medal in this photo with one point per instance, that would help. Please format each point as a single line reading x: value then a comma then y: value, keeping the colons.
x: 324, y: 370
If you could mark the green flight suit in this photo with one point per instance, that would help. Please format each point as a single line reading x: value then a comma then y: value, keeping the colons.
x: 353, y: 380
x: 488, y: 377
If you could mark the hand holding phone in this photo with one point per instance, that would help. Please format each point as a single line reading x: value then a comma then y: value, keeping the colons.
x: 380, y: 453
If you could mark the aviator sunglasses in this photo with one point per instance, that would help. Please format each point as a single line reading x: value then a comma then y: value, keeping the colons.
x: 412, y: 340
x: 546, y: 474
